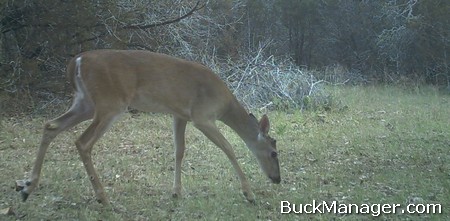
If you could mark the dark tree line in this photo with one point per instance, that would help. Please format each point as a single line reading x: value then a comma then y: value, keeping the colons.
x: 384, y: 40
x: 379, y: 39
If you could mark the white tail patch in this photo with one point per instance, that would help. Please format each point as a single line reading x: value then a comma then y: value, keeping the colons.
x: 79, y: 93
x: 78, y: 66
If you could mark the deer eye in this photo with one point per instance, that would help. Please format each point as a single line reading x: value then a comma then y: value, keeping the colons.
x: 274, y: 154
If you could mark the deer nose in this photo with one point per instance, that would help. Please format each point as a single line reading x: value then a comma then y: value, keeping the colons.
x: 276, y: 180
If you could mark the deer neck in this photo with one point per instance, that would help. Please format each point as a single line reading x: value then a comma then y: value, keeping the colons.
x: 241, y: 122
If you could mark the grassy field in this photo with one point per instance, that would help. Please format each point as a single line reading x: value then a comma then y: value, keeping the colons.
x: 379, y: 145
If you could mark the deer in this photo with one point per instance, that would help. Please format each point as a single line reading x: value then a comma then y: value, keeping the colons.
x: 108, y: 82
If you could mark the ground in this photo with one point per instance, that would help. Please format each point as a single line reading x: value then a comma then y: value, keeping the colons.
x: 378, y: 145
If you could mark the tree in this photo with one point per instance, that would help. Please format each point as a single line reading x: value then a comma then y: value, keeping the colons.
x: 300, y: 17
x: 434, y: 41
x: 38, y: 37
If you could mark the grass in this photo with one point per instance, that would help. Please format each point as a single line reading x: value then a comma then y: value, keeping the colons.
x: 384, y: 145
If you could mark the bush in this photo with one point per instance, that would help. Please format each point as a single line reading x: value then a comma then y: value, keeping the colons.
x: 272, y: 83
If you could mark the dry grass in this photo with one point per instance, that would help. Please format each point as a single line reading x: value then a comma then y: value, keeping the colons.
x: 388, y: 146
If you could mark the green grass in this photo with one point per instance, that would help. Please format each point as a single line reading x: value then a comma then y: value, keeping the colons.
x: 383, y: 145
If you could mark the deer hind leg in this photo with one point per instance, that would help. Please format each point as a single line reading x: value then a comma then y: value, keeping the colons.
x: 179, y: 128
x: 212, y: 132
x: 84, y: 144
x: 80, y: 111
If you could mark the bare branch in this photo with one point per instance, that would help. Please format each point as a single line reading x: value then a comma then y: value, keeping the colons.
x: 194, y: 9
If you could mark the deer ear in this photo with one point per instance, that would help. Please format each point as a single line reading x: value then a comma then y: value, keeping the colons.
x: 264, y: 125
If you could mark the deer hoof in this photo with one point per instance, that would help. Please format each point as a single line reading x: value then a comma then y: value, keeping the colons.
x: 250, y: 197
x: 21, y: 186
x: 24, y: 195
x: 175, y: 195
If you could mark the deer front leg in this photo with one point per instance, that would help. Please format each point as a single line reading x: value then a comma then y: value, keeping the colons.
x: 212, y: 132
x: 179, y: 128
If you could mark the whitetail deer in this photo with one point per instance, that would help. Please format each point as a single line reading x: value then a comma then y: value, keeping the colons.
x: 107, y: 82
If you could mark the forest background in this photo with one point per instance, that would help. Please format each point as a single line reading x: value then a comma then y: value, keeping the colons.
x: 279, y: 51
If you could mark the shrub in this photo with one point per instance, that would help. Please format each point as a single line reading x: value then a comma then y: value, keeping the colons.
x: 272, y: 83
